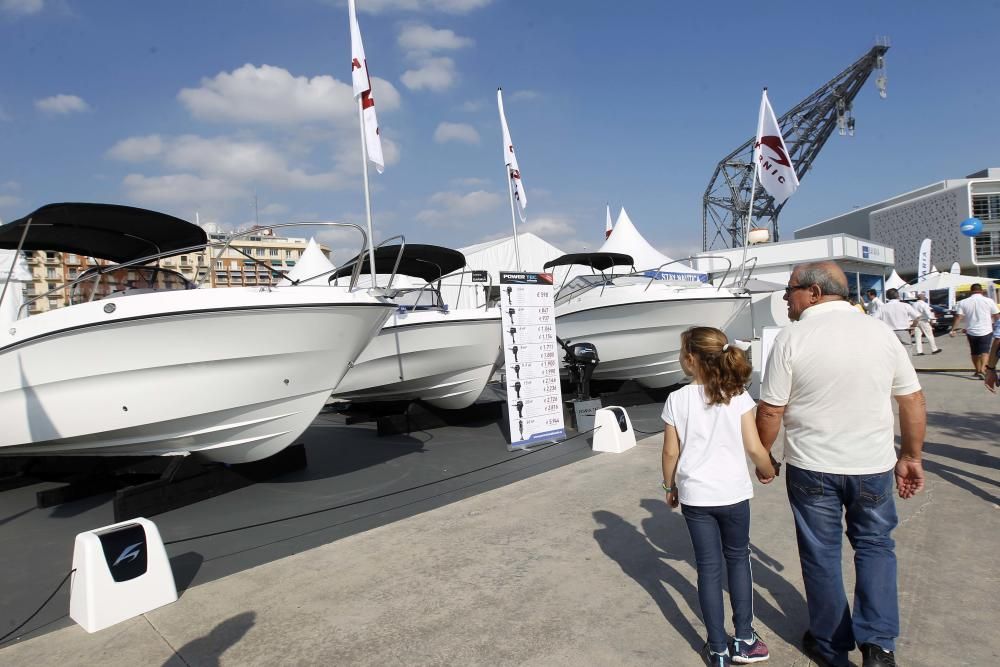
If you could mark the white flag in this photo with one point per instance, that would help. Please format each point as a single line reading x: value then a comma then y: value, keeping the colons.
x: 774, y: 165
x: 924, y: 260
x: 511, y: 161
x: 607, y: 225
x: 363, y: 88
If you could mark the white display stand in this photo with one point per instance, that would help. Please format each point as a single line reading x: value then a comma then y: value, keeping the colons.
x: 122, y: 571
x: 531, y: 359
x: 613, y: 430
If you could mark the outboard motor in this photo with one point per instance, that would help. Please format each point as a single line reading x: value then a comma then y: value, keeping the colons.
x: 581, y: 359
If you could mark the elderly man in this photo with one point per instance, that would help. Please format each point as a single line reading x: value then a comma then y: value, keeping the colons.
x: 925, y: 324
x: 828, y: 379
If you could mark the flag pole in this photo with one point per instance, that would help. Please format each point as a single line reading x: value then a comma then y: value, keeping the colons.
x: 368, y: 196
x: 753, y: 185
x: 513, y: 218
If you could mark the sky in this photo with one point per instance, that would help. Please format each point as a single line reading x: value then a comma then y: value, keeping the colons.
x: 242, y: 110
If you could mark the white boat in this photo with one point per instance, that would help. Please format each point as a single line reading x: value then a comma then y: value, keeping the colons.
x: 636, y: 320
x: 230, y: 374
x: 426, y: 350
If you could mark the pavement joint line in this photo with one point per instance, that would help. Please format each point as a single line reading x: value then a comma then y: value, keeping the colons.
x: 165, y: 640
x: 929, y: 498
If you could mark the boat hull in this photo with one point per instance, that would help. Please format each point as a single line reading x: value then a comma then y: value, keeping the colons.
x: 233, y: 376
x: 442, y: 358
x: 640, y: 339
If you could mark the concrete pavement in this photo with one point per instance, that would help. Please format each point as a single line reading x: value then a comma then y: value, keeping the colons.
x: 580, y: 565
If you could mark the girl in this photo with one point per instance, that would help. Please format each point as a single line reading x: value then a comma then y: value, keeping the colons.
x: 709, y: 425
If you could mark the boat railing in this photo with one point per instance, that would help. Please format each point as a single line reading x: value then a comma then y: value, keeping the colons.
x: 96, y: 274
x: 355, y: 274
x: 659, y: 269
x: 461, y: 284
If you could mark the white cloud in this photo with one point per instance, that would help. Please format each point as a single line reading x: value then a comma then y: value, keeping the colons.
x: 446, y: 6
x: 435, y: 74
x: 471, y: 181
x: 471, y: 105
x: 137, y: 149
x: 182, y: 191
x: 551, y: 226
x: 453, y: 209
x: 271, y: 95
x: 456, y: 132
x: 422, y: 37
x: 62, y: 104
x: 22, y: 7
x: 524, y: 95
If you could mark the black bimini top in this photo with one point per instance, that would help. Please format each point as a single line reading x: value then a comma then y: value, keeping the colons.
x: 427, y: 262
x: 599, y: 261
x: 106, y: 231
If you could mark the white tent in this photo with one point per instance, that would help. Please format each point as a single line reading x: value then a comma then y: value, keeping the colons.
x: 894, y: 281
x: 311, y: 264
x: 14, y: 296
x: 625, y: 238
x: 948, y: 281
x: 494, y: 257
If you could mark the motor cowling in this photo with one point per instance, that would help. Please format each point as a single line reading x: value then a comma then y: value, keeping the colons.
x: 581, y: 359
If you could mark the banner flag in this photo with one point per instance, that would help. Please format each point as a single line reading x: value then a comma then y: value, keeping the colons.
x: 924, y: 260
x: 511, y: 161
x: 363, y: 88
x: 774, y: 164
x: 608, y: 228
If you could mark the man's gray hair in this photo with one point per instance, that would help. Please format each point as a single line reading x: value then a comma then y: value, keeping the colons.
x: 821, y: 276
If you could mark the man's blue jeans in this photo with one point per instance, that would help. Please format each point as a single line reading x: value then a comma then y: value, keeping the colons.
x: 718, y: 533
x: 820, y: 502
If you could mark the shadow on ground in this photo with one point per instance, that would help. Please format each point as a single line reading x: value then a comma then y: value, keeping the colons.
x: 205, y: 651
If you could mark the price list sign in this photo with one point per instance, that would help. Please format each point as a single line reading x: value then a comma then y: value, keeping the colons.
x: 531, y: 358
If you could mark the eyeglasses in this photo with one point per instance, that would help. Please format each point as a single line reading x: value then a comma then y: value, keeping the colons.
x: 791, y: 288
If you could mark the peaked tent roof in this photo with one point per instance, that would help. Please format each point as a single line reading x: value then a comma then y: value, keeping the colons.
x: 310, y: 266
x: 894, y: 281
x: 496, y: 256
x: 626, y: 239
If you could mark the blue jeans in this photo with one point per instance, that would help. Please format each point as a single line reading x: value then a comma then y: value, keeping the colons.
x: 819, y: 503
x: 717, y: 533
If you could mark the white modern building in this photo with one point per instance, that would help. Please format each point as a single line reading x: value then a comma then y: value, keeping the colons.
x: 867, y: 264
x: 934, y: 212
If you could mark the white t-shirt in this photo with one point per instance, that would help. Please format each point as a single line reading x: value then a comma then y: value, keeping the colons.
x: 977, y: 312
x: 873, y: 306
x: 897, y: 314
x: 835, y: 372
x: 925, y: 312
x: 712, y: 469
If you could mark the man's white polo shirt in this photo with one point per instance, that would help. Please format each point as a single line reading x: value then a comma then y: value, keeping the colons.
x: 835, y: 372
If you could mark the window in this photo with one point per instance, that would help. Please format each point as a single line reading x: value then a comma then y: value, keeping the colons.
x: 72, y: 259
x: 184, y: 260
x: 986, y: 207
x: 50, y: 274
x: 74, y: 274
x: 274, y: 252
x: 259, y: 252
x: 51, y: 286
x: 50, y: 255
x: 219, y: 264
x: 53, y: 303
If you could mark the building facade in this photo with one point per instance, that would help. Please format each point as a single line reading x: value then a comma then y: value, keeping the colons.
x: 931, y: 212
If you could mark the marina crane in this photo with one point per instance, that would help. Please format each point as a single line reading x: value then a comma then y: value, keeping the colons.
x: 805, y: 128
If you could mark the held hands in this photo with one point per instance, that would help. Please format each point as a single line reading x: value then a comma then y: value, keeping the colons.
x: 909, y: 477
x: 767, y: 479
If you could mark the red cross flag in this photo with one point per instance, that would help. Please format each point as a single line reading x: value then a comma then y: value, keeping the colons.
x: 363, y: 88
x: 511, y: 161
x: 774, y: 165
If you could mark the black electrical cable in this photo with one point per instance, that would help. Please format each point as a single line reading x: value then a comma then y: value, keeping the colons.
x: 379, y: 497
x: 35, y: 613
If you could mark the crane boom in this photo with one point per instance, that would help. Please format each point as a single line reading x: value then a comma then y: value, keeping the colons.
x: 805, y: 128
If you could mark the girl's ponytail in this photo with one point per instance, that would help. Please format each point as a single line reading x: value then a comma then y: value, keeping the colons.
x: 723, y: 366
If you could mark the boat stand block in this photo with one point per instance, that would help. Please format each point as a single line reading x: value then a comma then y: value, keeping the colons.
x: 613, y: 430
x: 121, y: 571
x: 420, y: 417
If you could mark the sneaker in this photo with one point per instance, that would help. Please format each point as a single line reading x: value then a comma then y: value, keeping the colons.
x: 713, y: 659
x: 811, y: 648
x: 874, y: 655
x: 919, y: 354
x: 937, y: 351
x: 745, y: 653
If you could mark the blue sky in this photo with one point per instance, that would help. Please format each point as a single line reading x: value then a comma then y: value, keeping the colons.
x: 188, y: 106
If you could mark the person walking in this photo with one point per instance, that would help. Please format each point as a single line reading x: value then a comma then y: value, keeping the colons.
x: 840, y: 458
x: 991, y: 361
x: 709, y: 432
x: 925, y: 323
x: 900, y: 316
x: 979, y: 312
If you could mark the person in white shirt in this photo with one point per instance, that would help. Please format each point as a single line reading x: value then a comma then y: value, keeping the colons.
x: 924, y: 324
x: 900, y: 316
x: 991, y: 362
x: 979, y: 312
x: 840, y: 457
x: 874, y: 303
x: 709, y: 432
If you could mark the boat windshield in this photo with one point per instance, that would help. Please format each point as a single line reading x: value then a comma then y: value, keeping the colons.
x: 99, y: 283
x: 583, y: 283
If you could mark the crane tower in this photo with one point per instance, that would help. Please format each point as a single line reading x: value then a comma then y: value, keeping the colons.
x: 805, y: 128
